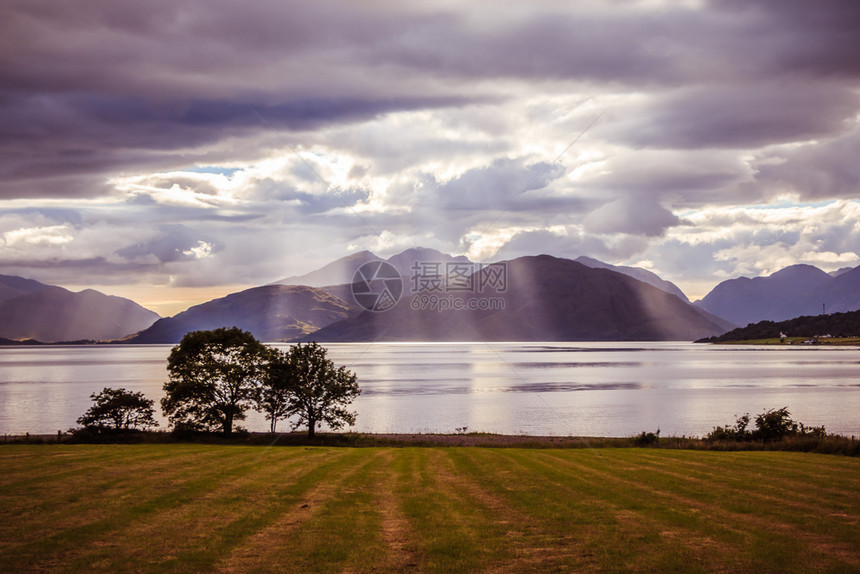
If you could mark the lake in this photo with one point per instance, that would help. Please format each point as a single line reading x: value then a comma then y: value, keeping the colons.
x: 581, y: 389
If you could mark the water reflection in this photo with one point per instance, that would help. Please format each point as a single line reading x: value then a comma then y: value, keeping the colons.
x: 607, y: 389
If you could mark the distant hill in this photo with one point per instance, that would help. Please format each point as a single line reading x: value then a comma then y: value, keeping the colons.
x: 341, y: 271
x: 637, y: 273
x: 11, y: 342
x: 834, y: 324
x: 405, y: 262
x: 270, y: 313
x: 337, y: 272
x: 32, y: 310
x: 794, y: 291
x: 840, y: 271
x: 547, y: 299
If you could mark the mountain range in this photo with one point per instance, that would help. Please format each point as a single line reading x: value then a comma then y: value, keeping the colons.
x: 271, y: 313
x: 547, y: 298
x: 791, y: 292
x: 32, y: 310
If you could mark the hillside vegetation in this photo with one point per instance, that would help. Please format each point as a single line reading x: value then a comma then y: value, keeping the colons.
x: 837, y: 325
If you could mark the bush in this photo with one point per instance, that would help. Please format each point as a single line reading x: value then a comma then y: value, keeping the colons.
x: 772, y: 425
x: 647, y: 438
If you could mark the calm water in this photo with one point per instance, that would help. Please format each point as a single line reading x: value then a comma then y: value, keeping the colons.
x: 591, y: 389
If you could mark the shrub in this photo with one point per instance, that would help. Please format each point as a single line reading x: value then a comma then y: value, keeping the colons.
x: 772, y: 425
x: 647, y: 438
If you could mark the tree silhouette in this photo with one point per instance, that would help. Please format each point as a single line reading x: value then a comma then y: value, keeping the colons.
x: 314, y: 389
x: 118, y: 409
x: 214, y: 379
x: 275, y: 392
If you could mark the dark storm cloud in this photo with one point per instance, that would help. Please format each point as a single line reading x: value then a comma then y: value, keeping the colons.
x: 741, y: 117
x: 820, y: 171
x: 89, y: 135
x: 707, y: 105
x: 797, y: 37
x: 99, y: 87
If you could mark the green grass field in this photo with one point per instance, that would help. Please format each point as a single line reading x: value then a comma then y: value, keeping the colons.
x: 205, y: 508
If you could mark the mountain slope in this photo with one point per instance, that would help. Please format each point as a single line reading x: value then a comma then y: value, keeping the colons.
x: 637, y: 273
x: 842, y: 293
x: 791, y: 292
x: 52, y: 314
x: 12, y: 286
x: 547, y: 299
x: 270, y: 313
x: 337, y: 272
x: 341, y: 271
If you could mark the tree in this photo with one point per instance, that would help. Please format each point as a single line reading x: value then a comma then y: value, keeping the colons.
x: 317, y: 391
x: 214, y: 379
x: 774, y: 424
x: 275, y: 392
x: 118, y: 409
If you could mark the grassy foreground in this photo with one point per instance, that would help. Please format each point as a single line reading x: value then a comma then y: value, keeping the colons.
x: 204, y: 508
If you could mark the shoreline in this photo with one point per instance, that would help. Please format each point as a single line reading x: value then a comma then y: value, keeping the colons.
x: 831, y: 444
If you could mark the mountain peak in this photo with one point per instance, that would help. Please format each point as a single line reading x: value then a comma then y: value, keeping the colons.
x: 338, y: 272
x: 794, y: 291
x: 545, y: 298
x: 801, y: 270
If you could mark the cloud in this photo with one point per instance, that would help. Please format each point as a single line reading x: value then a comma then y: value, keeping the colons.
x: 738, y: 116
x: 632, y: 216
x: 817, y: 171
x: 211, y: 143
x: 171, y: 242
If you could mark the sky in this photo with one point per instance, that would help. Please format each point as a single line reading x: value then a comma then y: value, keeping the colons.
x: 172, y: 152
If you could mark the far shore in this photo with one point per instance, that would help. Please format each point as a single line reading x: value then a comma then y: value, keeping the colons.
x: 802, y: 341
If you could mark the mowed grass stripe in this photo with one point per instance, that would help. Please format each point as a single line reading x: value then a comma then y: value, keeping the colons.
x: 194, y: 533
x: 70, y: 527
x: 676, y: 513
x: 257, y: 509
x: 801, y: 492
x: 454, y: 534
x: 775, y: 530
x: 53, y: 465
x: 827, y: 471
x: 583, y: 521
x: 607, y: 513
x: 338, y: 528
x: 108, y: 479
x: 539, y: 540
x: 745, y: 496
x: 38, y: 509
x: 402, y: 550
x: 514, y: 532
